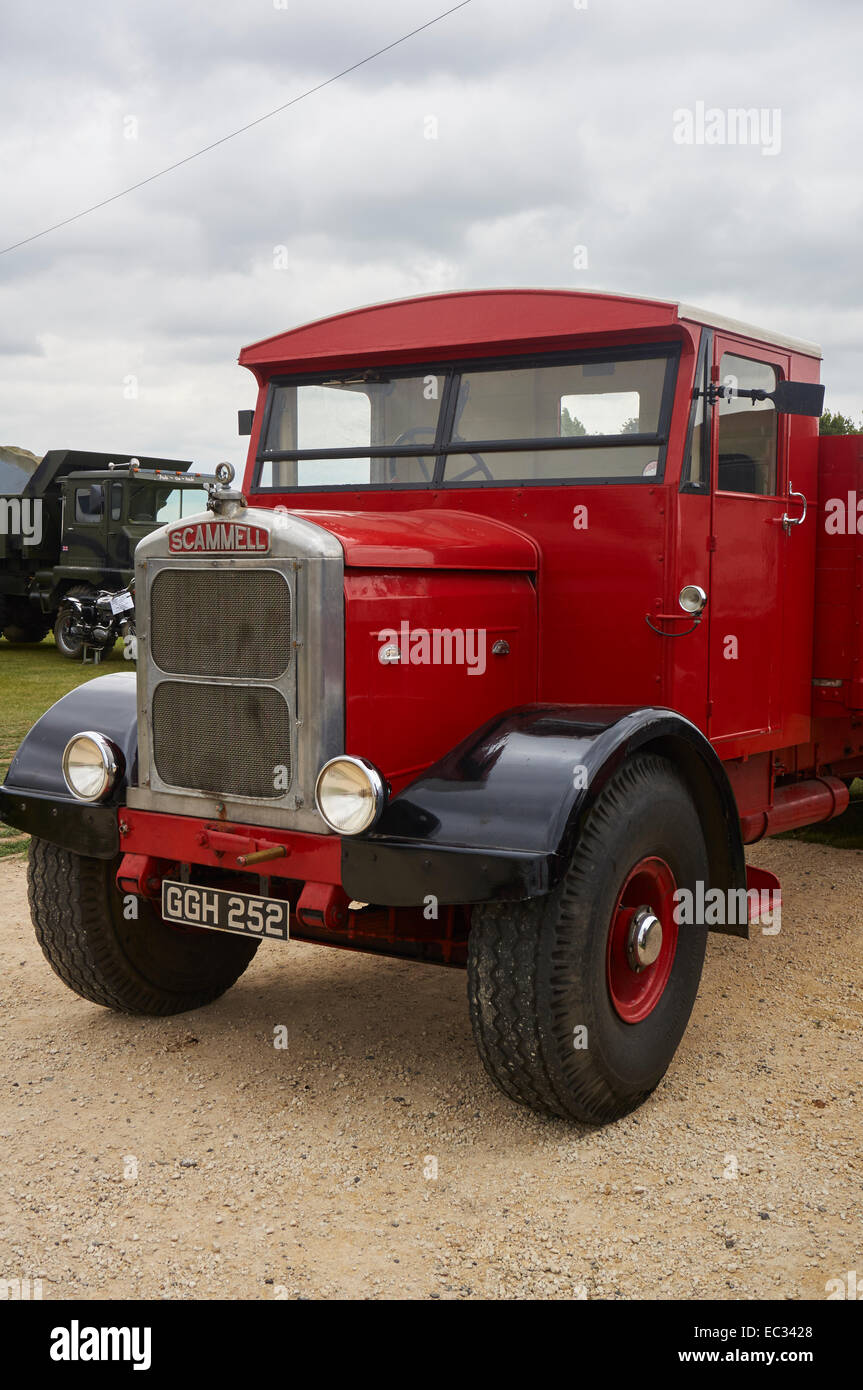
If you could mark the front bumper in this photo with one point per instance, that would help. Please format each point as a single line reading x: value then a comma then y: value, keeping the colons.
x: 389, y: 872
x: 218, y: 844
x: 73, y: 825
x: 408, y: 873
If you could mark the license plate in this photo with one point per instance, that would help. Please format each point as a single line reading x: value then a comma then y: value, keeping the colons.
x: 220, y: 910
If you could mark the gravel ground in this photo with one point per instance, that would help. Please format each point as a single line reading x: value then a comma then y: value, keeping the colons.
x: 192, y: 1158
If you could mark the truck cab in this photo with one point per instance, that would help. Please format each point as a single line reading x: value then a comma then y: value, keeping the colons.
x: 597, y: 437
x: 105, y: 515
x: 499, y: 654
x: 87, y: 514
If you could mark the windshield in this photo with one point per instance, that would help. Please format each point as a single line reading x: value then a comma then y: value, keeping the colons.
x: 155, y: 504
x: 600, y: 418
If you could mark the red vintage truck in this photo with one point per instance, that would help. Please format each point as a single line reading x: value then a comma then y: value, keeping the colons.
x: 532, y: 610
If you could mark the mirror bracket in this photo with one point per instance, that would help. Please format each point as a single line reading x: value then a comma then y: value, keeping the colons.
x: 789, y: 397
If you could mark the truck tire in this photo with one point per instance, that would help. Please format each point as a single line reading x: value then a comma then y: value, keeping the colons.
x: 138, y: 966
x: 21, y: 621
x: 563, y: 1020
x: 68, y: 646
x: 25, y: 635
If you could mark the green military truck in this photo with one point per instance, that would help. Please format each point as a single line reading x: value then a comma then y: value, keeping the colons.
x: 73, y: 529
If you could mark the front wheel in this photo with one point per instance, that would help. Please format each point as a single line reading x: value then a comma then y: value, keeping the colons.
x: 579, y: 999
x: 118, y: 951
x: 68, y: 645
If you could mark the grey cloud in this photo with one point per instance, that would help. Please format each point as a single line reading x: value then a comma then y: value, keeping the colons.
x: 555, y: 129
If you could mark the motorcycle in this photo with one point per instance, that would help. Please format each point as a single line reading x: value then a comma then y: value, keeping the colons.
x: 89, y: 622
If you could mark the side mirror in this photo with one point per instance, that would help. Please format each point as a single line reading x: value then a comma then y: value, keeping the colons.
x: 246, y: 419
x: 798, y: 398
x: 789, y: 397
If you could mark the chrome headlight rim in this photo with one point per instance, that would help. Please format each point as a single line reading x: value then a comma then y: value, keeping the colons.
x: 376, y: 784
x: 110, y: 757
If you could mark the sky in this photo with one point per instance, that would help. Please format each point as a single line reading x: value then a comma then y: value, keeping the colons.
x: 517, y: 142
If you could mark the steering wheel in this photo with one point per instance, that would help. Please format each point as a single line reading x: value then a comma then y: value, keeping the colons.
x: 411, y: 437
x: 479, y: 464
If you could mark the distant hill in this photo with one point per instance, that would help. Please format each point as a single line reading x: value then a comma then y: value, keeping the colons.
x: 16, y: 466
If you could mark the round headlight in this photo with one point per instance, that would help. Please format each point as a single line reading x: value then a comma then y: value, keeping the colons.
x: 350, y: 794
x: 91, y: 765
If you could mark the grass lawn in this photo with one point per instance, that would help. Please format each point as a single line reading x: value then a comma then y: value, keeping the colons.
x: 31, y: 679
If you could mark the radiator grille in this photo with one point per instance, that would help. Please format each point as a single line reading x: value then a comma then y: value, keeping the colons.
x: 221, y: 623
x: 226, y: 739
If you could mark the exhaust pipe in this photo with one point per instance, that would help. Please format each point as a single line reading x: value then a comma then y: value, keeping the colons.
x: 800, y: 803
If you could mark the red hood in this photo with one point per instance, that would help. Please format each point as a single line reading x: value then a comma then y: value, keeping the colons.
x: 426, y: 540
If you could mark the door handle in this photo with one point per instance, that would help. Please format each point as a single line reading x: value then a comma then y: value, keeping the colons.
x: 789, y: 521
x: 672, y: 617
x: 692, y: 599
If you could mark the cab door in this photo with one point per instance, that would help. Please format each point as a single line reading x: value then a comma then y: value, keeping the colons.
x: 748, y: 551
x: 119, y: 549
x: 84, y: 537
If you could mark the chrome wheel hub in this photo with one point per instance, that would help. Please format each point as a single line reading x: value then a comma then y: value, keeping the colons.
x: 645, y: 939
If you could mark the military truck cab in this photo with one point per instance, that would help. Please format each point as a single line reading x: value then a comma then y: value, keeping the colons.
x: 104, y: 518
x: 88, y: 513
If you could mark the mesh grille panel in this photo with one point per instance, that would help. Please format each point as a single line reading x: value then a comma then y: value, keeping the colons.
x: 226, y: 739
x: 221, y: 623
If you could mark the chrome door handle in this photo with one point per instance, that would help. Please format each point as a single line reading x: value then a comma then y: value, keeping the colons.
x: 789, y: 521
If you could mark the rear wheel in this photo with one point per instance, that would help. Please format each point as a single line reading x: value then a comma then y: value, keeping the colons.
x: 24, y: 635
x: 21, y: 621
x: 579, y: 999
x: 136, y: 964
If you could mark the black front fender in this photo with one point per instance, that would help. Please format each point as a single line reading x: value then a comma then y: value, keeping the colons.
x: 35, y: 798
x: 499, y: 816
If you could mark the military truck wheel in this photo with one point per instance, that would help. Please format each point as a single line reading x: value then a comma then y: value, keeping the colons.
x: 67, y: 645
x: 24, y: 635
x: 138, y: 965
x: 21, y: 622
x: 579, y: 999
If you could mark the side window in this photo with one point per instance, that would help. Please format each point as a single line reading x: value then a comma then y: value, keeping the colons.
x: 89, y: 504
x: 615, y: 412
x: 747, y: 429
x: 116, y: 501
x: 696, y: 464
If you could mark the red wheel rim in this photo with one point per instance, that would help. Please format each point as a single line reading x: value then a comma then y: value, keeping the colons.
x: 634, y: 992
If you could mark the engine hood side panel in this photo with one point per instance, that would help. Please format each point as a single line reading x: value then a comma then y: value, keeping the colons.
x: 465, y: 647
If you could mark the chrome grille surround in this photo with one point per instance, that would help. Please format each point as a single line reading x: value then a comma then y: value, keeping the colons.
x: 297, y: 711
